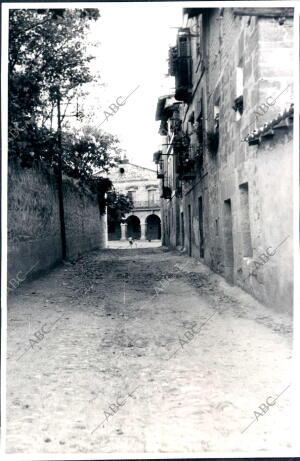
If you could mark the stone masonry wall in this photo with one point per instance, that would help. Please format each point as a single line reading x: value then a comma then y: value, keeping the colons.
x: 263, y: 48
x: 34, y: 240
x: 82, y: 218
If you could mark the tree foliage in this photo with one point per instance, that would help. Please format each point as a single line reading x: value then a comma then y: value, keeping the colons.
x: 47, y: 54
x: 89, y: 151
x: 48, y: 61
x: 117, y: 206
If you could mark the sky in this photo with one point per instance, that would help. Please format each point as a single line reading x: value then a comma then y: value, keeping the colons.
x: 131, y: 57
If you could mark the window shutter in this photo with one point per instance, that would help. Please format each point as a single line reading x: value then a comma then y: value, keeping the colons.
x: 183, y: 46
x: 172, y: 60
x: 183, y: 75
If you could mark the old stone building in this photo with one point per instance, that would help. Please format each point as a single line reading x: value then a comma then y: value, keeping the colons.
x: 142, y: 185
x: 225, y: 163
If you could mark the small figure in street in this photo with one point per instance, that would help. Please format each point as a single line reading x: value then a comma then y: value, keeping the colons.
x: 130, y: 240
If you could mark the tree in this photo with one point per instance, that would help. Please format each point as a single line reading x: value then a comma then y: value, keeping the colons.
x: 117, y: 206
x: 88, y: 151
x: 47, y: 60
x: 48, y: 63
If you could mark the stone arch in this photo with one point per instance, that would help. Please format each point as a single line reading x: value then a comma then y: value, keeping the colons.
x: 153, y: 227
x: 133, y: 227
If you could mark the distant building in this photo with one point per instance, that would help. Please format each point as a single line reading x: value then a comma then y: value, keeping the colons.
x: 142, y: 185
x: 226, y: 162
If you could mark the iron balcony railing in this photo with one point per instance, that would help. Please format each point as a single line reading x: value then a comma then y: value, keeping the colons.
x: 146, y: 204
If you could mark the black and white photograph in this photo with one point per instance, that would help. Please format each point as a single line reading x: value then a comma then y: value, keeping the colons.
x: 150, y: 228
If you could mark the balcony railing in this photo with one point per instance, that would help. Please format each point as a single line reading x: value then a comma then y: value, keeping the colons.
x: 146, y: 204
x: 186, y: 169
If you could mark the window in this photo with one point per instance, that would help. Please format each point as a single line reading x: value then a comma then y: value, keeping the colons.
x: 151, y: 196
x: 217, y: 226
x: 183, y: 44
x: 199, y: 129
x: 216, y: 116
x: 245, y: 220
x: 131, y: 195
x: 198, y: 29
x: 183, y: 73
x: 200, y: 124
x: 170, y: 171
x: 172, y: 60
x: 238, y: 102
x: 239, y: 81
x: 191, y: 122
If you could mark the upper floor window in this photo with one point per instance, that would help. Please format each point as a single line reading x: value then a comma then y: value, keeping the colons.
x: 191, y: 122
x: 239, y: 90
x: 239, y: 80
x: 181, y: 65
x: 199, y: 36
x: 213, y: 136
x: 151, y: 196
x: 183, y: 44
x: 216, y: 116
x: 200, y: 121
x: 131, y: 195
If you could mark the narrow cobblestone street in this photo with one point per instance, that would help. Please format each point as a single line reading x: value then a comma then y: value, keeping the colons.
x: 144, y: 350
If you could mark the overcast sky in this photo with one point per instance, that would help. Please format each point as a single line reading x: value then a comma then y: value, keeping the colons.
x: 132, y: 56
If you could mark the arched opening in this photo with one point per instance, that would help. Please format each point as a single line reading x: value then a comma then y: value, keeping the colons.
x: 133, y: 227
x: 114, y: 230
x: 153, y: 231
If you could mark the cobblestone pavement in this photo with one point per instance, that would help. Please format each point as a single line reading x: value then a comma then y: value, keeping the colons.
x: 145, y: 350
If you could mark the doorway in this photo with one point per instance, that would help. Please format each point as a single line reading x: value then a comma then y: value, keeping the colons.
x: 201, y: 233
x: 182, y: 229
x: 228, y: 241
x: 190, y: 229
x: 114, y: 230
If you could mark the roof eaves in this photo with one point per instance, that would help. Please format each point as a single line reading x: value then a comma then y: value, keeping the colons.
x: 255, y: 135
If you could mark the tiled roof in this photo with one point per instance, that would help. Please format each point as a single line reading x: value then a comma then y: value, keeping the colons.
x: 267, y: 127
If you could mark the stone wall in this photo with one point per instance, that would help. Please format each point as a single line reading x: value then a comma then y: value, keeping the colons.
x: 34, y: 239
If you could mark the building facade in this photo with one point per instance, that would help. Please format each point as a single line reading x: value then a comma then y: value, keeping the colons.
x: 142, y: 185
x: 226, y: 162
